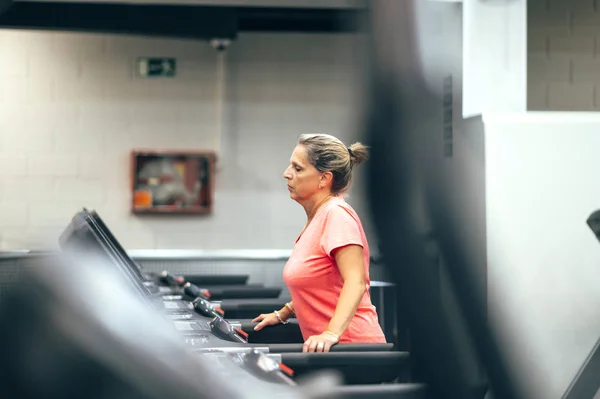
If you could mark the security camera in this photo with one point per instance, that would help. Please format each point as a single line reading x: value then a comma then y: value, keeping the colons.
x: 220, y: 44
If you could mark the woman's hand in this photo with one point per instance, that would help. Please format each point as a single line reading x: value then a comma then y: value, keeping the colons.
x: 320, y: 343
x: 265, y: 320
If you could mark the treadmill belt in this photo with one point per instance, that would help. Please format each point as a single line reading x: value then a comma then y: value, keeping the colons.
x: 356, y: 368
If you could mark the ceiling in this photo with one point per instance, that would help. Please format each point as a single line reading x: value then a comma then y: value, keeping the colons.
x: 322, y: 4
x: 193, y: 18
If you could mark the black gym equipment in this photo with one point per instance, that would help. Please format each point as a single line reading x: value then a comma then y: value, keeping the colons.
x: 246, y: 309
x: 87, y: 232
x: 61, y: 340
x: 593, y: 221
x: 586, y: 383
x: 214, y: 280
x: 206, y: 331
x: 110, y: 344
x: 222, y: 291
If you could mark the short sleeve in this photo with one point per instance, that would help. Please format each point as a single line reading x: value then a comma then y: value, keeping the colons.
x: 340, y: 229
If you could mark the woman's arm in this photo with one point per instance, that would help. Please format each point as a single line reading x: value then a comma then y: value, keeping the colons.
x: 286, y: 312
x: 270, y: 319
x: 350, y: 262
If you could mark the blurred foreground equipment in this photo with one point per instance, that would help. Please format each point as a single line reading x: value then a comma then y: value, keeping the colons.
x: 71, y: 328
x: 411, y: 210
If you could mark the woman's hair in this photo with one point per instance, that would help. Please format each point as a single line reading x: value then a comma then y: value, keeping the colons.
x: 328, y: 154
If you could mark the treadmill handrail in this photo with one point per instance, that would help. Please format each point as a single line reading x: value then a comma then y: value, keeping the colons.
x: 379, y: 391
x: 367, y: 347
x: 379, y: 358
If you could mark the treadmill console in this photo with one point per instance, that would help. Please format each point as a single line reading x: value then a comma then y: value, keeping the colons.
x: 206, y: 309
x: 193, y: 291
x: 171, y: 279
x: 197, y: 340
x: 152, y: 288
x: 222, y: 329
x: 263, y: 366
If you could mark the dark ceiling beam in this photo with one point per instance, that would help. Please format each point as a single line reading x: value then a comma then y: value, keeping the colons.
x: 305, y: 20
x: 203, y: 22
x: 298, y: 4
x: 5, y: 5
x: 193, y: 22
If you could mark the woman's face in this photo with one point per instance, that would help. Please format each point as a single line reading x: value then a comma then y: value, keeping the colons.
x: 302, y: 177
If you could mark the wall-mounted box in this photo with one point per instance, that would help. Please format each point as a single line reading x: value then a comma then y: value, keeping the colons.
x: 171, y: 181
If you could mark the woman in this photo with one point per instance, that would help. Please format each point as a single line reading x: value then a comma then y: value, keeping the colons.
x: 328, y: 271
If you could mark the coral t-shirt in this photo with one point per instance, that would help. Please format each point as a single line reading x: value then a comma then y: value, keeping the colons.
x: 314, y: 280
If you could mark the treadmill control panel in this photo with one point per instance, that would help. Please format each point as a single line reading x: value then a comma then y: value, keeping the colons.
x: 264, y: 366
x: 197, y: 340
x: 222, y: 329
x: 205, y: 308
x: 259, y: 365
x: 171, y: 297
x: 193, y: 291
x: 179, y: 315
x: 171, y: 305
x: 191, y: 326
x: 171, y: 279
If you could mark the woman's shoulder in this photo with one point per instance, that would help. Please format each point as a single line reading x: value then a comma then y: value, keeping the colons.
x: 338, y: 206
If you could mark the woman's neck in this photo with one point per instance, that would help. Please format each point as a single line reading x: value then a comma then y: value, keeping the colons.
x: 316, y: 202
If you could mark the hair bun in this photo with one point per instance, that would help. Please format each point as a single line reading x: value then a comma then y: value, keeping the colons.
x: 358, y: 153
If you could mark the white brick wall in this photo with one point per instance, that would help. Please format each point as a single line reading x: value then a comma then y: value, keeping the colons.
x: 71, y: 109
x: 563, y: 63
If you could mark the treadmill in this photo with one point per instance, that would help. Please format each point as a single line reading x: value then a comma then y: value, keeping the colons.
x: 177, y: 285
x: 243, y: 310
x: 88, y: 341
x: 215, y: 292
x: 199, y: 321
x: 227, y: 298
x: 209, y: 334
x: 89, y: 348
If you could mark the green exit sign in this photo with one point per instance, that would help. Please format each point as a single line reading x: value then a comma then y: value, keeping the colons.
x: 157, y: 67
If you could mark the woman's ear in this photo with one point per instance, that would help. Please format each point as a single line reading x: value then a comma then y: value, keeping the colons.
x: 326, y: 179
